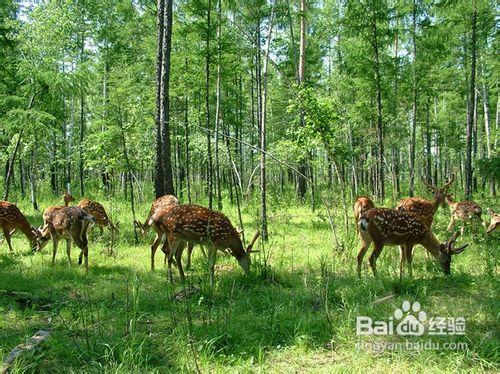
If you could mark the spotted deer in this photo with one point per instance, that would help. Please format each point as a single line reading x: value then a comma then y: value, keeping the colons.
x: 426, y: 209
x: 495, y: 222
x: 465, y: 211
x: 361, y: 205
x: 12, y: 219
x: 382, y: 226
x: 96, y: 210
x: 71, y: 224
x: 199, y: 225
x: 159, y: 208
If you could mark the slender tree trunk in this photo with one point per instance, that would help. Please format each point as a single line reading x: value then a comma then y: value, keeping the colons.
x: 165, y: 99
x: 262, y: 132
x: 159, y: 186
x: 186, y: 145
x: 302, y: 186
x: 207, y: 109
x: 380, y: 128
x: 413, y: 139
x: 218, y: 107
x: 428, y: 138
x: 470, y: 111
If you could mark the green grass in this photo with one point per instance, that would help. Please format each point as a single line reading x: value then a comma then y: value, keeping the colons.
x: 295, y: 312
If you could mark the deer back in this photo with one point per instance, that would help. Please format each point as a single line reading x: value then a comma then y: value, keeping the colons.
x: 389, y: 226
x: 159, y: 205
x: 197, y: 224
x: 96, y: 210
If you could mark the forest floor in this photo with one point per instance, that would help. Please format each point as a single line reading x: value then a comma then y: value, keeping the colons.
x: 296, y: 312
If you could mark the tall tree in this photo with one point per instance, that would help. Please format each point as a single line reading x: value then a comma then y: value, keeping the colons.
x: 471, y: 106
x: 301, y: 80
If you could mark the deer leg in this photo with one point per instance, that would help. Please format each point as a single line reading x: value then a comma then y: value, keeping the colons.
x: 190, y: 247
x: 452, y: 223
x: 85, y: 253
x: 6, y: 234
x: 365, y: 244
x: 212, y: 257
x: 178, y: 258
x: 173, y: 244
x: 403, y: 260
x: 154, y: 247
x: 54, y: 249
x: 68, y: 250
x: 409, y: 259
x: 373, y: 257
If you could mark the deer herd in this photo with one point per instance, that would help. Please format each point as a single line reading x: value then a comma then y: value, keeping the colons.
x: 178, y: 227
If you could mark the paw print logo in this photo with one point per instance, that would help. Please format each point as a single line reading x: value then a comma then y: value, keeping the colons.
x: 411, y: 319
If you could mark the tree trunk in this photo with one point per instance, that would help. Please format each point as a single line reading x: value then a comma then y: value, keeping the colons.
x: 262, y: 132
x: 380, y: 129
x: 302, y: 186
x: 165, y: 99
x: 218, y: 107
x: 470, y: 111
x: 207, y: 109
x: 159, y: 186
x: 413, y: 139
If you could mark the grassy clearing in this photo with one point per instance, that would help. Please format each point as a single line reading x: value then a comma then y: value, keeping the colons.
x: 296, y: 312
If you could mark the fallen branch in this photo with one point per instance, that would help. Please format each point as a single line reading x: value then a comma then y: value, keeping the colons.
x: 33, y: 343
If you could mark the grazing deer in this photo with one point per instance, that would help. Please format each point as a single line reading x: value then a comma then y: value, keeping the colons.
x: 12, y: 219
x: 159, y: 208
x: 361, y: 205
x: 423, y: 208
x: 99, y: 213
x: 70, y: 223
x: 384, y: 226
x: 464, y: 211
x: 196, y: 224
x: 495, y: 222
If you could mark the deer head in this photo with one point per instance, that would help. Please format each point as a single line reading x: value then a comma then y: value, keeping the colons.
x: 495, y: 222
x: 67, y: 198
x: 439, y: 194
x: 447, y: 249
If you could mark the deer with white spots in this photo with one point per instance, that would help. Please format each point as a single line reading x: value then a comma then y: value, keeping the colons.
x: 12, y: 219
x: 361, y: 205
x: 426, y: 209
x: 495, y: 222
x: 70, y: 223
x: 159, y: 208
x: 382, y: 226
x: 465, y: 211
x: 96, y: 210
x: 199, y: 225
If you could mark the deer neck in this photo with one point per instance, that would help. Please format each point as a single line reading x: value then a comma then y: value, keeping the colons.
x: 432, y: 245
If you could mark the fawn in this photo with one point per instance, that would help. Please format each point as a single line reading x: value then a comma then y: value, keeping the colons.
x: 495, y: 222
x: 99, y: 213
x: 464, y: 211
